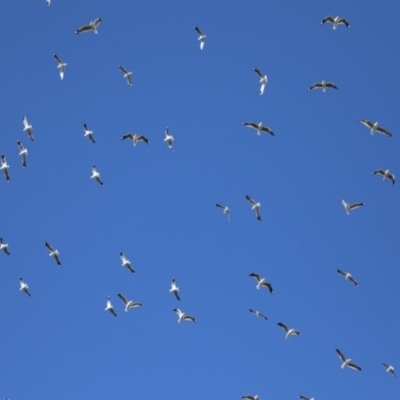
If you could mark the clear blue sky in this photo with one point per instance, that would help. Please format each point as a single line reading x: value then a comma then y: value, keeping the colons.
x: 158, y: 206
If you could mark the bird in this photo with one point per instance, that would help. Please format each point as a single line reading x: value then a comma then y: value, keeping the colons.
x: 61, y: 65
x: 92, y: 26
x: 5, y: 167
x: 202, y: 37
x: 4, y: 247
x: 348, y: 277
x: 96, y: 175
x: 28, y: 128
x: 53, y: 253
x: 349, y: 207
x: 136, y: 138
x: 23, y: 286
x: 249, y: 397
x: 375, y: 127
x: 305, y: 397
x: 109, y: 307
x: 127, y: 75
x: 225, y: 210
x: 386, y: 175
x: 258, y: 314
x: 169, y: 139
x: 182, y: 316
x: 23, y: 153
x: 128, y: 303
x: 335, y: 21
x: 126, y: 263
x: 389, y: 369
x: 254, y: 206
x: 260, y: 127
x: 323, y: 85
x: 289, y: 332
x: 88, y: 133
x: 174, y: 289
x: 263, y: 79
x: 261, y: 282
x: 347, y: 361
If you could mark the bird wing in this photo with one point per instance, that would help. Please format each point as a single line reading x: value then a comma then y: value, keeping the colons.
x: 351, y: 279
x: 177, y: 311
x: 316, y: 85
x: 6, y: 174
x: 258, y: 213
x: 198, y: 31
x: 304, y: 397
x: 48, y: 246
x: 250, y: 124
x: 220, y: 206
x: 353, y: 366
x: 262, y: 88
x: 123, y: 298
x: 129, y: 80
x: 25, y: 122
x: 258, y: 72
x: 356, y: 205
x: 268, y: 130
x: 144, y: 138
x: 57, y: 259
x: 268, y: 285
x: 328, y: 19
x: 58, y: 59
x: 250, y: 200
x: 366, y: 123
x: 189, y: 318
x: 122, y: 257
x: 84, y: 28
x: 344, y: 21
x: 285, y: 327
x: 256, y: 276
x: 379, y: 171
x: 97, y: 21
x: 341, y: 272
x: 127, y: 136
x: 123, y: 69
x: 176, y: 294
x: 384, y: 131
x: 341, y: 355
x: 331, y: 85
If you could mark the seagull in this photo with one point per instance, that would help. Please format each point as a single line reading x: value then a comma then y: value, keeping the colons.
x: 347, y: 361
x: 109, y: 307
x: 225, y: 210
x: 126, y: 263
x: 260, y: 127
x: 375, y: 127
x: 127, y: 75
x: 92, y: 26
x: 305, y: 397
x: 4, y: 247
x: 249, y: 397
x: 262, y: 282
x: 61, y: 65
x: 258, y: 314
x: 136, y: 138
x: 202, y: 37
x: 349, y: 207
x: 169, y: 139
x: 335, y: 21
x: 386, y: 175
x: 96, y: 175
x: 389, y: 369
x: 174, y: 289
x: 348, y: 277
x: 53, y: 253
x: 88, y: 133
x: 323, y: 85
x: 255, y: 207
x: 289, y: 332
x: 128, y: 303
x: 5, y: 167
x: 263, y: 79
x: 23, y: 286
x: 23, y: 153
x: 28, y: 128
x: 182, y: 316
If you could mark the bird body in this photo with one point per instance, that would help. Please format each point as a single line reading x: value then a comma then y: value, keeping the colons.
x: 258, y: 314
x: 109, y: 307
x: 23, y: 152
x: 386, y: 175
x: 169, y: 139
x: 23, y: 286
x: 96, y: 175
x: 125, y: 262
x: 4, y: 247
x: 60, y: 65
x: 389, y: 369
x: 225, y: 210
x: 254, y: 206
x: 88, y: 133
x: 289, y: 332
x: 182, y: 316
x: 27, y: 128
x: 349, y: 207
x: 263, y: 79
x: 127, y: 75
x: 347, y: 361
x: 259, y: 127
x: 4, y: 167
x: 53, y: 253
x: 129, y: 303
x: 261, y: 282
x: 323, y: 85
x: 375, y: 127
x: 335, y: 21
x: 348, y: 277
x: 92, y: 26
x: 201, y: 38
x: 136, y: 138
x: 174, y: 289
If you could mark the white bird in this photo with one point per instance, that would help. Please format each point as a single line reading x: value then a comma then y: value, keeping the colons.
x: 261, y: 282
x: 136, y: 138
x: 182, y: 316
x: 323, y: 85
x: 263, y: 79
x: 386, y: 175
x: 23, y: 153
x: 335, y: 21
x: 96, y: 175
x: 53, y: 253
x: 4, y: 247
x: 289, y: 332
x: 347, y: 361
x: 109, y: 307
x: 225, y: 210
x: 249, y: 397
x: 348, y: 277
x: 125, y: 262
x: 4, y: 167
x: 260, y: 127
x: 254, y: 206
x: 174, y: 289
x: 28, y: 128
x: 92, y: 26
x: 389, y: 369
x: 349, y: 207
x: 202, y: 37
x: 305, y: 397
x: 127, y: 75
x: 88, y: 133
x: 61, y: 65
x: 375, y: 127
x: 128, y: 303
x: 23, y: 286
x: 258, y: 314
x: 169, y: 139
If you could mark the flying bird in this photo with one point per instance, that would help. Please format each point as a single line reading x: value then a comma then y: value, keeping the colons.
x: 260, y: 127
x: 92, y: 26
x: 347, y: 361
x: 386, y: 175
x: 261, y: 282
x: 5, y: 167
x: 4, y: 247
x: 174, y: 289
x: 109, y: 307
x: 61, y: 65
x: 375, y: 127
x: 28, y: 128
x: 263, y: 79
x: 23, y: 152
x: 128, y: 303
x: 254, y: 206
x: 225, y: 210
x: 127, y: 75
x: 347, y: 276
x: 349, y: 207
x: 323, y: 85
x: 249, y: 397
x: 126, y: 263
x: 88, y: 133
x: 335, y: 21
x: 202, y: 37
x: 389, y: 369
x: 96, y: 175
x: 169, y: 139
x: 23, y: 286
x: 53, y: 253
x: 258, y: 314
x: 182, y: 316
x: 289, y: 332
x: 136, y: 138
x: 305, y: 397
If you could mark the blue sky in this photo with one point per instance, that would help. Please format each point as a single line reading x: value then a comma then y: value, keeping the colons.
x: 158, y: 206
